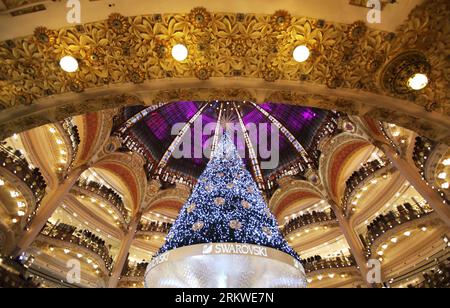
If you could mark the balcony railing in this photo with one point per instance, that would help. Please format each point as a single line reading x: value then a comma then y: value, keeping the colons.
x: 318, y: 264
x: 71, y: 132
x: 432, y: 272
x: 383, y: 223
x: 135, y: 270
x: 17, y: 165
x: 153, y: 226
x: 358, y: 177
x: 83, y: 238
x: 422, y: 151
x: 108, y: 194
x: 307, y: 220
x: 14, y: 275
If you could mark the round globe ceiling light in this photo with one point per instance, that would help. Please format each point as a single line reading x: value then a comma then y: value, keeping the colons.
x: 69, y: 64
x: 418, y: 81
x: 301, y: 53
x: 179, y: 52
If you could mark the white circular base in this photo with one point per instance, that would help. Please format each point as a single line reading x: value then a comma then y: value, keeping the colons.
x: 225, y: 265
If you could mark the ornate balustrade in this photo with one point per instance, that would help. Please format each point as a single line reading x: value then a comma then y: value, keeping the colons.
x: 432, y: 272
x: 107, y: 194
x: 154, y: 227
x: 82, y: 238
x: 403, y: 214
x: 422, y: 151
x: 318, y: 264
x: 14, y: 275
x: 366, y: 172
x: 13, y: 162
x: 135, y: 270
x: 321, y: 218
x: 70, y: 133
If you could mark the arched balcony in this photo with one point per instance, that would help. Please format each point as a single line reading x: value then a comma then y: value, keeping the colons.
x: 321, y: 218
x: 109, y: 196
x: 22, y: 189
x: 433, y: 272
x: 368, y: 172
x: 69, y: 132
x: 74, y: 240
x: 133, y: 275
x: 317, y: 264
x: 389, y: 222
x: 148, y: 229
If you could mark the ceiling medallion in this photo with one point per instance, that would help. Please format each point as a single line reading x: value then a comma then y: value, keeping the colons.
x: 398, y: 72
x: 238, y: 48
x: 271, y: 74
x: 199, y: 17
x: 198, y: 226
x: 76, y: 86
x: 280, y: 20
x: 136, y: 76
x: 334, y: 82
x: 375, y: 63
x: 202, y: 72
x: 44, y: 36
x: 235, y: 224
x: 96, y: 55
x: 161, y: 48
x: 118, y: 23
x: 357, y: 31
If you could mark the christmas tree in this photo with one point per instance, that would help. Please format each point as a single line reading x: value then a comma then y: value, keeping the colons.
x: 226, y: 207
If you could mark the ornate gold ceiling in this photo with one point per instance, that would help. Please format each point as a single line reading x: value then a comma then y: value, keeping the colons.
x: 136, y: 50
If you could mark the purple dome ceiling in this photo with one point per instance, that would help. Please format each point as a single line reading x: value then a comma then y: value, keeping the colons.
x: 148, y: 130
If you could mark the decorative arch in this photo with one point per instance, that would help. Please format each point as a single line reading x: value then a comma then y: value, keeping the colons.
x: 289, y: 193
x: 339, y: 150
x: 129, y: 168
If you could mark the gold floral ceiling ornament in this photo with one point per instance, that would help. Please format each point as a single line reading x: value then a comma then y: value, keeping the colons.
x: 76, y: 86
x: 271, y: 74
x: 396, y: 74
x: 280, y: 20
x: 136, y: 76
x: 44, y: 36
x: 96, y: 55
x: 118, y: 23
x: 202, y: 72
x: 268, y: 57
x: 161, y: 48
x: 199, y: 17
x: 376, y: 63
x: 357, y: 30
x: 239, y: 48
x: 334, y: 82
